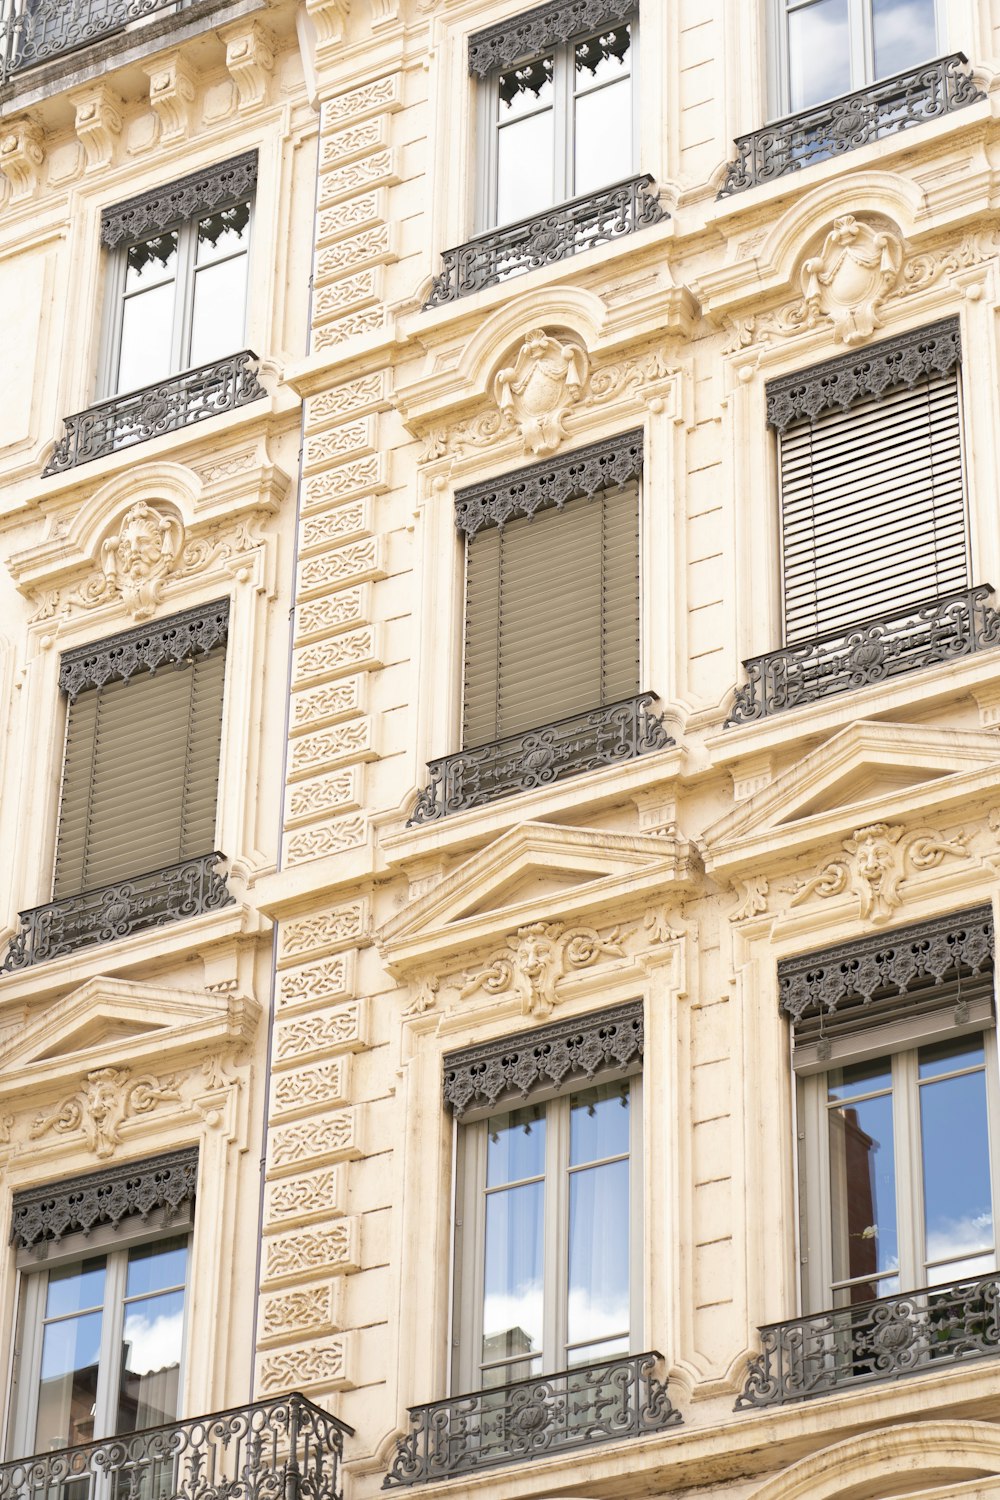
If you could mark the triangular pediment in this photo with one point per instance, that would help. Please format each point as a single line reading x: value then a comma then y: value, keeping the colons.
x: 869, y: 771
x: 533, y: 871
x: 114, y: 1022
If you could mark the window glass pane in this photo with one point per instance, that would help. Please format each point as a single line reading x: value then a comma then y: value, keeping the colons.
x: 151, y: 1360
x: 862, y: 1181
x: 603, y: 58
x: 599, y: 1123
x: 598, y: 1252
x: 526, y: 141
x: 819, y: 57
x: 219, y: 310
x: 67, y: 1387
x: 603, y: 144
x: 157, y: 1266
x: 958, y: 1206
x: 515, y: 1146
x: 904, y: 33
x: 147, y: 331
x: 76, y: 1288
x: 224, y: 233
x: 525, y: 89
x: 950, y: 1057
x: 151, y: 262
x: 512, y: 1292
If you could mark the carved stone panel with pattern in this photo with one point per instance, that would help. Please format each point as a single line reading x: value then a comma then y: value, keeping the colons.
x: 355, y: 650
x: 322, y: 1366
x: 361, y: 289
x: 305, y: 1090
x: 325, y: 616
x: 356, y: 140
x: 331, y: 1250
x: 327, y: 932
x: 346, y: 440
x: 311, y: 1310
x: 354, y: 104
x: 371, y: 247
x: 344, y: 400
x: 358, y: 562
x: 333, y: 837
x: 355, y: 213
x: 360, y: 476
x: 340, y: 745
x: 339, y: 792
x: 331, y: 1137
x: 305, y: 1198
x: 343, y: 1029
x: 327, y: 704
x: 346, y: 523
x: 329, y: 335
x: 324, y: 983
x: 375, y: 170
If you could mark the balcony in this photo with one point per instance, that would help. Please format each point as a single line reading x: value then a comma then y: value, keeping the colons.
x: 938, y: 630
x: 538, y: 757
x: 35, y: 31
x: 618, y: 1398
x: 134, y: 417
x: 878, y: 1340
x: 893, y: 104
x: 117, y: 911
x: 555, y: 235
x: 287, y: 1449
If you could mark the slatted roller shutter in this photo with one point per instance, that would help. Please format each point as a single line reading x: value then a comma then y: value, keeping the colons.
x: 873, y: 513
x: 140, y: 774
x: 552, y: 615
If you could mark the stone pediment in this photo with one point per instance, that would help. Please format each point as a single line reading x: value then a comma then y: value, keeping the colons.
x: 534, y: 870
x: 869, y: 771
x: 117, y: 1022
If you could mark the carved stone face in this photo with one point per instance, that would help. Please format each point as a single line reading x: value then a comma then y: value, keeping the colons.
x: 535, y: 953
x: 874, y: 858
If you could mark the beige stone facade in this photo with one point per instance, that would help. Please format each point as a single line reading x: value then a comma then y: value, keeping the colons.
x: 299, y: 1035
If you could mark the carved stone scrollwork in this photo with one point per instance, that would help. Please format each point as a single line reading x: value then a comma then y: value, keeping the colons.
x: 537, y: 957
x: 81, y: 1203
x: 109, y: 1098
x: 878, y: 861
x: 538, y: 389
x: 852, y: 275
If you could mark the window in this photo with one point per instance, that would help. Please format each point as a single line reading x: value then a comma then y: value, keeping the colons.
x: 178, y: 276
x: 560, y: 123
x: 141, y: 765
x: 548, y: 1242
x: 552, y: 596
x: 831, y: 47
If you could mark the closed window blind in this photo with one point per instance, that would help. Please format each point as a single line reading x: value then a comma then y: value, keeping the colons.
x: 140, y: 774
x: 552, y: 615
x: 873, y: 514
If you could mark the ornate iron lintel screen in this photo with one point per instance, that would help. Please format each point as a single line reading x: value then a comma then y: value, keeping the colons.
x: 136, y: 416
x: 939, y: 630
x: 542, y: 27
x: 864, y: 374
x: 516, y: 1067
x: 520, y: 762
x: 907, y: 1334
x: 285, y: 1447
x: 202, y: 192
x: 884, y: 108
x: 872, y: 978
x: 38, y: 30
x: 585, y: 471
x: 559, y: 232
x: 193, y: 632
x: 118, y: 911
x: 618, y: 1398
x: 79, y: 1204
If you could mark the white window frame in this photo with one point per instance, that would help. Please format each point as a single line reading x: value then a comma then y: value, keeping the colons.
x: 30, y: 1299
x: 488, y: 131
x: 814, y: 1160
x: 184, y: 285
x: 469, y: 1248
x: 862, y: 45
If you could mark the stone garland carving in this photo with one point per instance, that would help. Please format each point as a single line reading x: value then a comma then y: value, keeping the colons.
x: 197, y: 193
x: 514, y: 1067
x: 537, y: 390
x: 109, y: 1098
x: 586, y: 471
x: 540, y: 28
x: 537, y: 957
x: 854, y: 272
x: 79, y: 1204
x: 889, y: 964
x: 879, y: 859
x: 119, y: 657
x: 838, y: 384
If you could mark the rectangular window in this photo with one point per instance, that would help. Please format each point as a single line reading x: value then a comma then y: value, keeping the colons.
x: 559, y: 123
x: 831, y: 47
x: 552, y: 613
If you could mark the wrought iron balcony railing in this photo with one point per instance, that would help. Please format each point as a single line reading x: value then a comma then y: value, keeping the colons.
x: 34, y: 31
x: 117, y: 911
x: 618, y: 1398
x: 554, y: 235
x: 892, y: 104
x: 939, y: 630
x: 878, y: 1340
x: 136, y: 416
x: 520, y: 762
x: 286, y: 1449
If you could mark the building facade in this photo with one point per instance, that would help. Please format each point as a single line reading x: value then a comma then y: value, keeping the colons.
x: 501, y: 681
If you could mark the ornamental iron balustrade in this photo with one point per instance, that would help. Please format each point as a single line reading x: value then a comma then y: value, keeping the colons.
x: 136, y: 416
x: 938, y: 630
x: 283, y: 1449
x: 557, y: 234
x: 618, y: 1398
x: 117, y: 911
x: 34, y: 31
x: 128, y: 1190
x: 906, y: 1334
x: 884, y: 108
x: 537, y: 757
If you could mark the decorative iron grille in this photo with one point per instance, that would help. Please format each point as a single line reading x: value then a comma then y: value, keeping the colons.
x: 618, y: 1398
x: 939, y: 630
x: 876, y: 1340
x: 554, y: 235
x: 134, y: 417
x: 33, y: 31
x: 285, y: 1449
x: 126, y: 1191
x: 520, y: 762
x: 117, y: 911
x: 926, y: 93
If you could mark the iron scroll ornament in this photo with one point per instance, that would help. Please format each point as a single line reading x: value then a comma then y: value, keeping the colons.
x: 146, y: 648
x: 202, y: 192
x: 543, y: 26
x: 38, y: 31
x: 129, y: 1190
